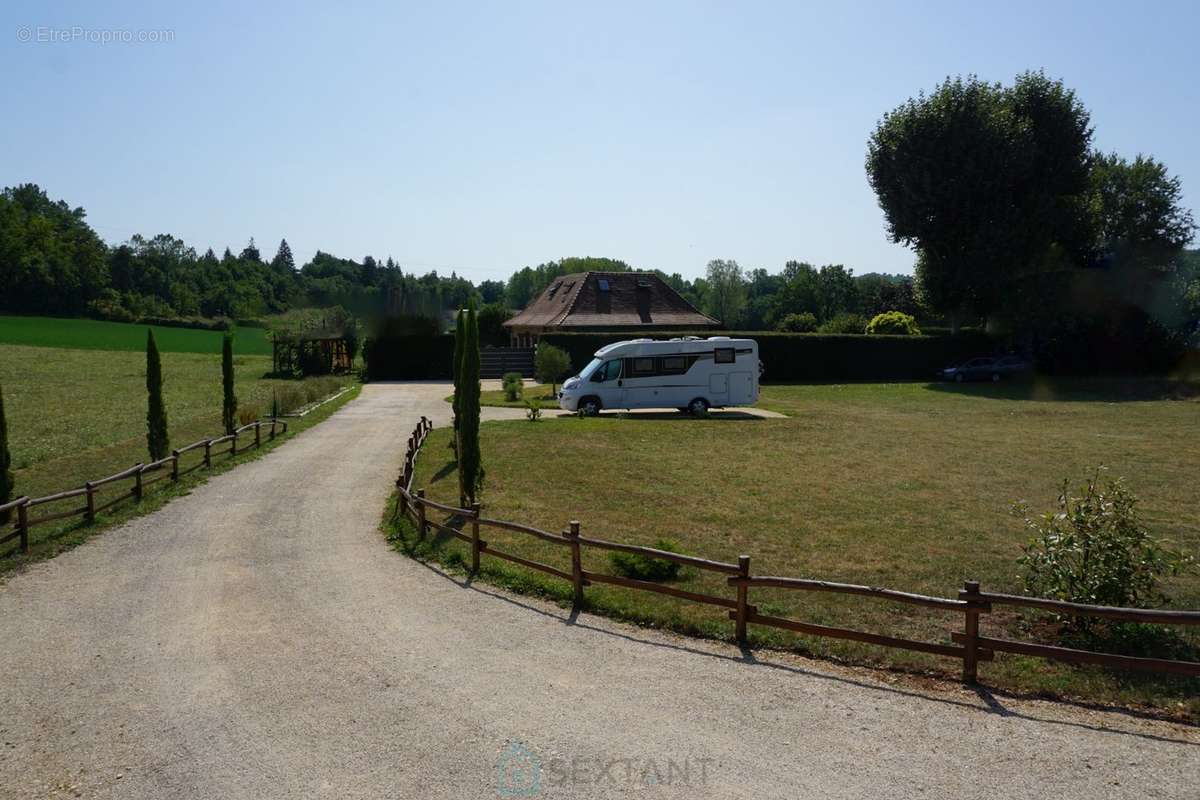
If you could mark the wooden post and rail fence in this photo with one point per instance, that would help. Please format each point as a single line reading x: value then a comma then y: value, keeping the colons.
x: 169, y: 467
x: 967, y: 645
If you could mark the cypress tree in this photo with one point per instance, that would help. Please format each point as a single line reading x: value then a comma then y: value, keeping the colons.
x: 6, y: 476
x: 456, y: 368
x: 470, y: 462
x: 459, y: 335
x: 229, y: 407
x: 157, y: 437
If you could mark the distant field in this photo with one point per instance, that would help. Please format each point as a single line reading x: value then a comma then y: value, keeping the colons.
x: 75, y: 415
x: 900, y: 485
x: 90, y: 334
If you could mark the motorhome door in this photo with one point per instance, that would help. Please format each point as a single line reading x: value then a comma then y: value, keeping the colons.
x: 606, y: 384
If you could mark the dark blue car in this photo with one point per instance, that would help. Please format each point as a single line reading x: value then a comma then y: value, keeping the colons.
x: 987, y: 369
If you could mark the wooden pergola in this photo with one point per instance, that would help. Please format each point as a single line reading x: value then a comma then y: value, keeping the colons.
x: 310, y: 353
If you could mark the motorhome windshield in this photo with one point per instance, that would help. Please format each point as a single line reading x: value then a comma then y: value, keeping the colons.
x: 587, y: 371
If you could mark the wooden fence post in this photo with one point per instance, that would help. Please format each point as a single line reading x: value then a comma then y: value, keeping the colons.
x: 208, y: 453
x: 970, y: 593
x: 175, y: 465
x: 23, y: 524
x: 90, y: 514
x: 475, y: 509
x: 271, y: 435
x: 421, y: 527
x: 137, y: 484
x: 257, y: 435
x: 576, y: 563
x: 743, y: 596
x: 233, y: 447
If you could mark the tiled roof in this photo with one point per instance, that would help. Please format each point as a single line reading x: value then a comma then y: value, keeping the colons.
x: 610, y: 299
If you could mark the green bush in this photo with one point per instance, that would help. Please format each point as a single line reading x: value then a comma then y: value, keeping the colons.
x: 1093, y: 548
x: 844, y: 323
x: 533, y: 409
x: 513, y: 383
x: 645, y: 568
x: 804, y: 322
x: 893, y: 323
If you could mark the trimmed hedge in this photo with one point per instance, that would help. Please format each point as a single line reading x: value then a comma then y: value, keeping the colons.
x: 409, y: 358
x: 814, y: 357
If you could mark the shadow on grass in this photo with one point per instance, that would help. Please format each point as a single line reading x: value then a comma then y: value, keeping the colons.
x: 445, y: 471
x: 1080, y: 390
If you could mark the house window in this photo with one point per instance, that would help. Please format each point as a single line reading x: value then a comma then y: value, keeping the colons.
x: 603, y: 284
x: 674, y: 365
x: 724, y: 355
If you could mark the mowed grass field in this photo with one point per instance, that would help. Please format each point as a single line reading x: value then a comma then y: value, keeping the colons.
x: 90, y: 334
x: 80, y: 414
x: 907, y: 486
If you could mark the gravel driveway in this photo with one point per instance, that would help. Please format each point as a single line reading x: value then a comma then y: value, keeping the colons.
x: 258, y: 639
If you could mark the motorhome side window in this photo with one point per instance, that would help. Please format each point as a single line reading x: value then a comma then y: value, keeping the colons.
x: 724, y: 355
x: 642, y: 366
x: 674, y: 365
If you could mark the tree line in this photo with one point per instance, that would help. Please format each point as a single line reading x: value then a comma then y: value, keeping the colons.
x: 53, y: 263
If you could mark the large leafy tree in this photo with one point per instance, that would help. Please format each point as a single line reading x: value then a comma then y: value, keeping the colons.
x: 51, y: 261
x: 836, y: 291
x: 726, y: 290
x: 986, y: 182
x: 1137, y: 212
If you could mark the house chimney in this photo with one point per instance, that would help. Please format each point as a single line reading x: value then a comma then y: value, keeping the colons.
x: 643, y: 300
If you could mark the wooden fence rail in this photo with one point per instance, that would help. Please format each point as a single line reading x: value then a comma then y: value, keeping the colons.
x: 169, y: 466
x: 968, y: 646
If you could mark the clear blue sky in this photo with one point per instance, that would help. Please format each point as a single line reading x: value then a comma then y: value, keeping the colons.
x: 481, y: 138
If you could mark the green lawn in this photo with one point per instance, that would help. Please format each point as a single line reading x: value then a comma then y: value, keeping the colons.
x: 900, y: 485
x: 90, y: 334
x: 531, y: 391
x: 78, y: 415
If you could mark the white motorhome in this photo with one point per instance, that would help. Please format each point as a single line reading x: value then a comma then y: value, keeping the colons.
x: 689, y: 374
